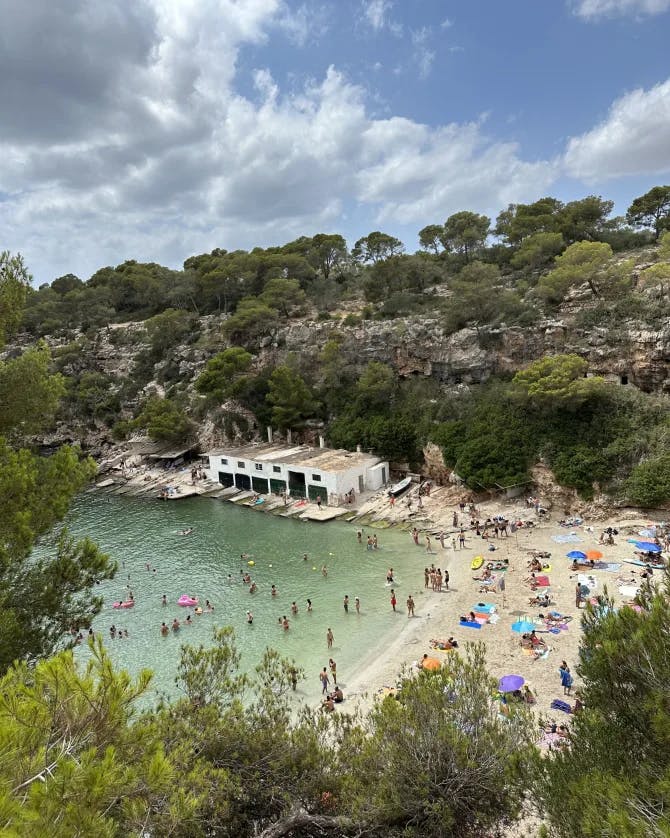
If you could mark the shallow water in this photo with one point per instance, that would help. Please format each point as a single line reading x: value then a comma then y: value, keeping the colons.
x: 136, y: 532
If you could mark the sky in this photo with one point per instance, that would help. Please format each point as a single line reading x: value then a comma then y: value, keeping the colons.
x: 159, y: 129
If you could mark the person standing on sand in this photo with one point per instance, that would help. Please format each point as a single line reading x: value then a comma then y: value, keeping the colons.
x: 410, y: 606
x: 446, y: 580
x: 393, y: 599
x: 566, y: 677
x: 461, y: 539
x: 453, y: 543
x: 330, y: 638
x: 578, y: 595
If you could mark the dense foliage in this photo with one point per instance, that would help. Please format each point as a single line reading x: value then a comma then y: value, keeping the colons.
x: 42, y: 596
x: 232, y: 758
x: 589, y: 432
x: 613, y: 780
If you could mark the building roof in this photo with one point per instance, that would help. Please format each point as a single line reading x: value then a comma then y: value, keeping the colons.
x: 325, y: 459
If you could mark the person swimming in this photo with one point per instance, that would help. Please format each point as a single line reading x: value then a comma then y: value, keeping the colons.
x: 187, y: 531
x: 389, y: 575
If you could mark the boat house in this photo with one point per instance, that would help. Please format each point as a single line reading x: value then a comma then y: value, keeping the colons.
x: 300, y: 470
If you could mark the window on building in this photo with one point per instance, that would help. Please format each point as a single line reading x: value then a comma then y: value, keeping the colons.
x: 316, y: 478
x: 276, y: 469
x: 224, y: 461
x: 259, y: 466
x: 240, y: 463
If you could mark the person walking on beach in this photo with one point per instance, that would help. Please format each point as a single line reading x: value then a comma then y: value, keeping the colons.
x: 329, y: 638
x: 410, y: 606
x: 446, y: 580
x: 325, y: 680
x: 578, y: 595
x: 345, y: 603
x: 393, y: 599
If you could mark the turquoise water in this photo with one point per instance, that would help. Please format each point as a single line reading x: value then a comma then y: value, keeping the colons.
x: 136, y: 532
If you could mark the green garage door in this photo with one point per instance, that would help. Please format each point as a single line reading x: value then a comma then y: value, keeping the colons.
x: 260, y: 485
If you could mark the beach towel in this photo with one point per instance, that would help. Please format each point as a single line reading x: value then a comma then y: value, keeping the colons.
x: 470, y: 624
x: 587, y: 581
x: 542, y: 581
x: 610, y: 567
x: 484, y: 607
x: 566, y: 539
x: 557, y: 704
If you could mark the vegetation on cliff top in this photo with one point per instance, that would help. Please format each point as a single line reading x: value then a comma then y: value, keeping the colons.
x: 547, y: 254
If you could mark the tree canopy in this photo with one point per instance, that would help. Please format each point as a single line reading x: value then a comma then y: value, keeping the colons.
x: 651, y: 210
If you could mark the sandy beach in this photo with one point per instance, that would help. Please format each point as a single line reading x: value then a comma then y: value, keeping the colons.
x: 437, y: 614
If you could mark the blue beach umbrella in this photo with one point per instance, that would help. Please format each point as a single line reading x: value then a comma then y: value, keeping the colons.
x: 576, y: 554
x: 648, y: 547
x: 522, y: 626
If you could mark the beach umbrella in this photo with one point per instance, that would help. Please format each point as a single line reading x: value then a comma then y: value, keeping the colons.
x: 576, y: 554
x: 648, y: 533
x: 431, y: 663
x: 522, y: 626
x: 510, y: 683
x: 594, y: 554
x: 648, y: 547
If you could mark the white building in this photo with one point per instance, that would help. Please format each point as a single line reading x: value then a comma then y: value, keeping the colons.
x: 303, y: 471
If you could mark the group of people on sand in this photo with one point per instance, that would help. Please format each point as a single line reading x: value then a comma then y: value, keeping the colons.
x: 336, y: 696
x: 436, y: 578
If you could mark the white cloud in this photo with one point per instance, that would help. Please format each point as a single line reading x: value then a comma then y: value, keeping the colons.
x: 155, y: 154
x: 308, y: 22
x: 446, y: 23
x: 634, y: 139
x: 594, y: 9
x: 376, y: 13
x: 423, y: 55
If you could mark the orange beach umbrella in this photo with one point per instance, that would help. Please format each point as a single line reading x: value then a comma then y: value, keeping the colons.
x: 594, y: 554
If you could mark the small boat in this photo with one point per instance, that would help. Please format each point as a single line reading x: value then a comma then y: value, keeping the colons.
x: 129, y: 603
x: 399, y: 488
